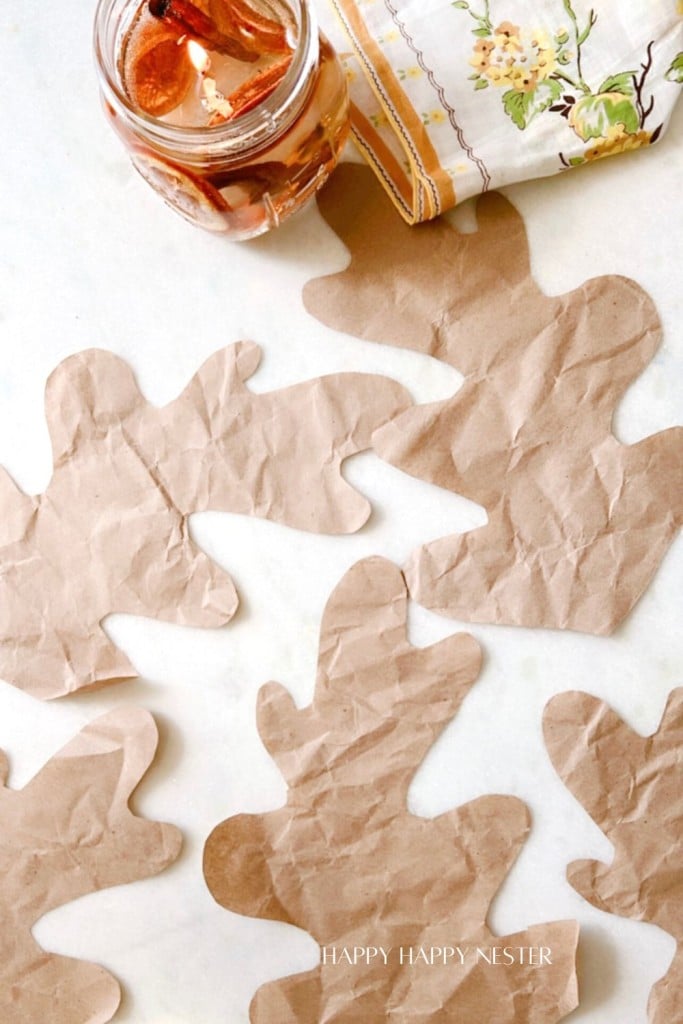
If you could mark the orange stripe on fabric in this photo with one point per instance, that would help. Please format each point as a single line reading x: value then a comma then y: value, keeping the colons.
x: 388, y: 168
x: 400, y: 110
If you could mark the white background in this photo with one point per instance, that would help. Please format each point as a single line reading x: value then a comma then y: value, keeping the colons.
x: 90, y: 257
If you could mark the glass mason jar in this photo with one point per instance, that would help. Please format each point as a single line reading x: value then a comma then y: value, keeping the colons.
x: 247, y: 175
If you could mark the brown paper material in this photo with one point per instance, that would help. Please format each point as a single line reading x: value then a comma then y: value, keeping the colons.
x: 67, y: 833
x: 345, y: 860
x: 110, y: 533
x: 632, y: 788
x: 578, y: 523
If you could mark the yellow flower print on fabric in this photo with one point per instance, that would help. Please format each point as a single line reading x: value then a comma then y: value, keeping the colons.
x: 619, y: 142
x: 515, y: 58
x: 542, y: 73
x: 379, y: 120
x: 434, y: 117
x: 408, y: 73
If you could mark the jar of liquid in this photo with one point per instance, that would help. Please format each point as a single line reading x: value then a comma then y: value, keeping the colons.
x: 234, y: 111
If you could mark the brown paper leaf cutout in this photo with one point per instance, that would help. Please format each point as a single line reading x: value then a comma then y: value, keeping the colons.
x: 632, y: 787
x: 110, y: 533
x: 346, y: 861
x: 578, y: 522
x: 67, y: 833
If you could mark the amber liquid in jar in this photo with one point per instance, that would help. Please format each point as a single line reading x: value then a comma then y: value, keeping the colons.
x: 241, y: 138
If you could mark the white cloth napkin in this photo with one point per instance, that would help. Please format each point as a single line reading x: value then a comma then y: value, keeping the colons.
x: 454, y: 97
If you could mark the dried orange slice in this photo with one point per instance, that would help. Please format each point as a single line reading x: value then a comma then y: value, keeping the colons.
x: 257, y: 32
x: 154, y: 65
x: 192, y: 197
x: 187, y: 17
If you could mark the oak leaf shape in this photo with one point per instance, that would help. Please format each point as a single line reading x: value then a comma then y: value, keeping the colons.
x: 632, y: 787
x: 67, y: 833
x: 110, y: 533
x: 346, y: 861
x: 578, y: 523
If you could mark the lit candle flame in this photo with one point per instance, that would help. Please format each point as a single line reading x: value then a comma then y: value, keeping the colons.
x: 198, y: 56
x: 213, y: 101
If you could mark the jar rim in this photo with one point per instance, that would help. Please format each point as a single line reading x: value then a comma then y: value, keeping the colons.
x: 244, y: 131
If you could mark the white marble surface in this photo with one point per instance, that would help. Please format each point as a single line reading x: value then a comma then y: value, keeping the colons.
x: 90, y: 257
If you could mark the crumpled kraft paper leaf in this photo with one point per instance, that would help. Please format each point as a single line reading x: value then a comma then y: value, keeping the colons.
x: 632, y: 787
x: 578, y: 523
x: 67, y: 833
x: 110, y: 533
x: 346, y: 861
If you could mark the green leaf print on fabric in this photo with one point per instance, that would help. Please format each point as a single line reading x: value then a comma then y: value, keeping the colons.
x: 675, y: 72
x: 625, y: 83
x: 523, y: 107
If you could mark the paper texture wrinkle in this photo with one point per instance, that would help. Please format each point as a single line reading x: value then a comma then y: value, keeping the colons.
x: 110, y: 533
x: 345, y: 860
x: 578, y: 523
x: 632, y: 788
x: 67, y: 833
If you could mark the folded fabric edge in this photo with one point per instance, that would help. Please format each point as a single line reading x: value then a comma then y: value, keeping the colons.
x: 385, y: 165
x: 427, y: 190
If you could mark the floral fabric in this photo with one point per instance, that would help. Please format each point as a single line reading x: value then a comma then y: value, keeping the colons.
x: 454, y: 97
